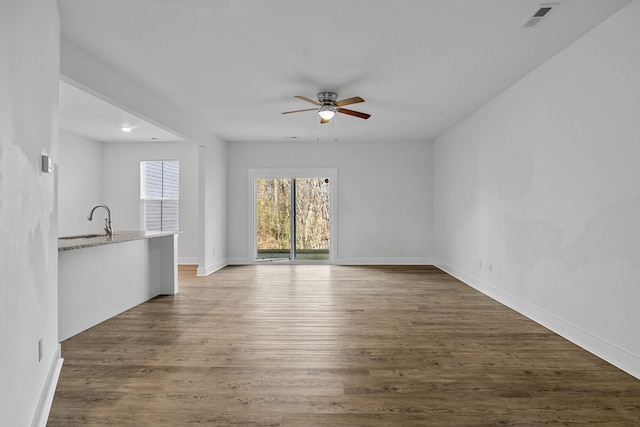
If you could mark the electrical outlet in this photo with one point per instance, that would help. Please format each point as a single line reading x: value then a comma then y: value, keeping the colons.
x: 490, y: 268
x: 480, y: 264
x: 40, y: 350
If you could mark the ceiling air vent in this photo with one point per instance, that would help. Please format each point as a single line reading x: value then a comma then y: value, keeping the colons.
x: 543, y: 11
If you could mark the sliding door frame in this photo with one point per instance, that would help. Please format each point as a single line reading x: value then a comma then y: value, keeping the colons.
x: 294, y: 173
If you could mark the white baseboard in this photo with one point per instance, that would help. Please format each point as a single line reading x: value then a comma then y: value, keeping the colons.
x: 354, y: 261
x: 45, y: 400
x: 594, y: 344
x: 187, y: 260
x: 385, y: 261
x: 211, y: 268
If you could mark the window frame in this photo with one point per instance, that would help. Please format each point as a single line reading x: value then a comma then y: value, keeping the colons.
x: 145, y: 198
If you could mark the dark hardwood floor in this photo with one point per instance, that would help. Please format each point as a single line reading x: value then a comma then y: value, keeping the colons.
x: 333, y: 346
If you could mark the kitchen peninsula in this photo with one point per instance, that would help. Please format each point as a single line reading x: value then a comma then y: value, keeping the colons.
x: 101, y: 276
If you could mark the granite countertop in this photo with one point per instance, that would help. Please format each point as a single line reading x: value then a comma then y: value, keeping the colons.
x: 67, y: 243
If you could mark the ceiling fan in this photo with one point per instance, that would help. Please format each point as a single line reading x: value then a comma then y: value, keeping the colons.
x: 329, y: 106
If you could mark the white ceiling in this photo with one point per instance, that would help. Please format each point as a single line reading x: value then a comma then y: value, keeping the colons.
x: 93, y: 118
x: 234, y: 66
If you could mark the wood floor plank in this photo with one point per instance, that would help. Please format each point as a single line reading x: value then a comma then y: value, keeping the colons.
x: 333, y: 346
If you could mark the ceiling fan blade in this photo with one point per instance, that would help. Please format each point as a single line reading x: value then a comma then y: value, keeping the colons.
x: 304, y: 98
x: 349, y: 101
x: 299, y: 111
x: 323, y: 121
x: 354, y: 113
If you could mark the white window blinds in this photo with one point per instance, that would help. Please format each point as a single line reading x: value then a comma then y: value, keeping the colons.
x: 160, y: 195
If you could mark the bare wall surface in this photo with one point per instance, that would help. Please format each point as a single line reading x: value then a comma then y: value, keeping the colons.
x: 213, y: 211
x: 121, y: 165
x: 543, y: 183
x: 80, y: 185
x: 29, y: 73
x: 384, y: 196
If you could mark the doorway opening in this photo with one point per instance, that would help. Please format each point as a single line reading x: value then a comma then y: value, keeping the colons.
x: 293, y: 220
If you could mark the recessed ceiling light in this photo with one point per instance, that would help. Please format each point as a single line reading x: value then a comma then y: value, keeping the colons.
x: 126, y: 129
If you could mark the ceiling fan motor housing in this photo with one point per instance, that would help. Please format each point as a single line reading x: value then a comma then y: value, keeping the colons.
x: 327, y: 98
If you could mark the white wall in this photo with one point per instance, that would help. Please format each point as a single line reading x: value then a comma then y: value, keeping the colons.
x: 79, y: 184
x: 213, y: 202
x: 121, y: 165
x: 29, y: 30
x: 543, y: 182
x: 93, y: 172
x: 384, y: 196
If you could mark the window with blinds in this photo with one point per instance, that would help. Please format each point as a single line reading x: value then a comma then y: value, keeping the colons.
x: 159, y: 195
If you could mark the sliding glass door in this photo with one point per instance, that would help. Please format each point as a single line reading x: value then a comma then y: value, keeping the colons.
x: 293, y: 219
x: 311, y: 213
x: 273, y: 204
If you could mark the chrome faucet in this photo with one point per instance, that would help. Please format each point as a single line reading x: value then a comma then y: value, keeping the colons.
x: 107, y: 220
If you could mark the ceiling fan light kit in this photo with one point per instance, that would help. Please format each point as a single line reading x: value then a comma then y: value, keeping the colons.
x: 326, y: 112
x: 329, y: 106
